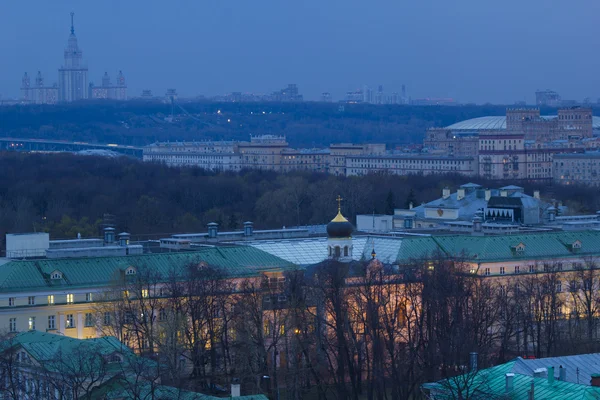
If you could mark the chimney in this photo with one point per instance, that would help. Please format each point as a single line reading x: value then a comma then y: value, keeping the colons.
x: 510, y: 382
x: 248, y: 228
x: 460, y: 194
x: 235, y: 390
x: 488, y: 194
x: 536, y: 194
x: 109, y: 236
x: 410, y: 205
x: 539, y: 373
x: 445, y: 193
x: 562, y: 373
x: 477, y: 222
x: 550, y: 375
x: 595, y: 380
x: 532, y: 391
x: 124, y: 239
x: 473, y: 361
x: 213, y: 228
x: 504, y: 193
x: 551, y: 214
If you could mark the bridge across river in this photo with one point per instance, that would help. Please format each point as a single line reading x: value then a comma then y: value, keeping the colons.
x: 33, y: 145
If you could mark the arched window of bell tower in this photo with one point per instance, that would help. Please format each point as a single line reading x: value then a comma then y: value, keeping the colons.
x: 337, y: 251
x: 345, y: 251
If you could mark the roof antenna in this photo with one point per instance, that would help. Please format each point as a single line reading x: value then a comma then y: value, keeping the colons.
x: 72, y: 27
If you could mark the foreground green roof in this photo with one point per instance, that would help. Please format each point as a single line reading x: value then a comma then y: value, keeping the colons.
x: 491, y: 384
x: 546, y: 245
x: 234, y: 261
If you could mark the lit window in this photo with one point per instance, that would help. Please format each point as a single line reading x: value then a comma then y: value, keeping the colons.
x: 32, y: 323
x: 70, y: 298
x: 126, y: 294
x: 70, y: 323
x: 88, y: 297
x: 144, y: 293
x: 50, y: 299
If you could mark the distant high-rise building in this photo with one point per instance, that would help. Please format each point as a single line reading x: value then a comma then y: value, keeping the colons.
x: 72, y: 77
x: 379, y: 97
x: 72, y: 81
x: 404, y: 97
x: 288, y: 94
x: 394, y: 98
x: 355, y: 97
x: 147, y: 94
x: 109, y: 91
x: 326, y: 97
x: 547, y: 98
x: 38, y: 93
x: 367, y: 95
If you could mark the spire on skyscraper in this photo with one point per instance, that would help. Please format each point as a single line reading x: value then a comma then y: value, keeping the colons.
x: 72, y: 25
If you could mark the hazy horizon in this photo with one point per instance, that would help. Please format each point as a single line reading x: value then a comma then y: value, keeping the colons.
x: 468, y: 49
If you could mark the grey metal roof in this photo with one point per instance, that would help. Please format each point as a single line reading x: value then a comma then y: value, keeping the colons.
x: 497, y: 122
x: 579, y: 367
x: 312, y: 251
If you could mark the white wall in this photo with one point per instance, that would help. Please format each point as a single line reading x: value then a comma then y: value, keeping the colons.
x: 377, y: 223
x: 20, y: 245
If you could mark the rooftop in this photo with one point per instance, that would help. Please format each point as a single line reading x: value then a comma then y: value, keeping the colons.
x: 498, y: 123
x: 234, y: 261
x: 491, y: 383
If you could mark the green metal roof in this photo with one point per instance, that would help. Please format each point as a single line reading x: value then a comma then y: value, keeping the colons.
x: 491, y: 383
x: 546, y: 245
x: 235, y: 261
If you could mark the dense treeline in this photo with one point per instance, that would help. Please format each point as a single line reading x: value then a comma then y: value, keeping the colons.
x: 304, y: 124
x: 67, y: 194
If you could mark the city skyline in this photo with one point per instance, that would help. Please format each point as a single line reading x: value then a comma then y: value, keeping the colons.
x: 488, y: 54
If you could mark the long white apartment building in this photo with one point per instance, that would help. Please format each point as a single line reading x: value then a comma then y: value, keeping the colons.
x: 210, y: 155
x: 273, y: 153
x: 406, y: 164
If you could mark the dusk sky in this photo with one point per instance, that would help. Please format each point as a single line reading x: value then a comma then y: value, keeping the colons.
x: 471, y: 50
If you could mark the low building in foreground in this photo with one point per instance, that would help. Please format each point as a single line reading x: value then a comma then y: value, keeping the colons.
x: 560, y: 378
x: 40, y: 365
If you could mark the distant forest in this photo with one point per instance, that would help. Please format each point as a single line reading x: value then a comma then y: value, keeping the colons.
x: 66, y: 194
x: 307, y: 124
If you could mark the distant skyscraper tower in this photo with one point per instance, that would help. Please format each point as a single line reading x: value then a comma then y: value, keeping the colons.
x: 379, y: 99
x: 368, y: 95
x: 326, y: 97
x: 106, y: 80
x: 121, y: 92
x: 25, y: 88
x: 72, y: 77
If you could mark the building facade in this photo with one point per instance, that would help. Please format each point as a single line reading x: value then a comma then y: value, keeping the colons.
x: 73, y: 75
x: 577, y: 168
